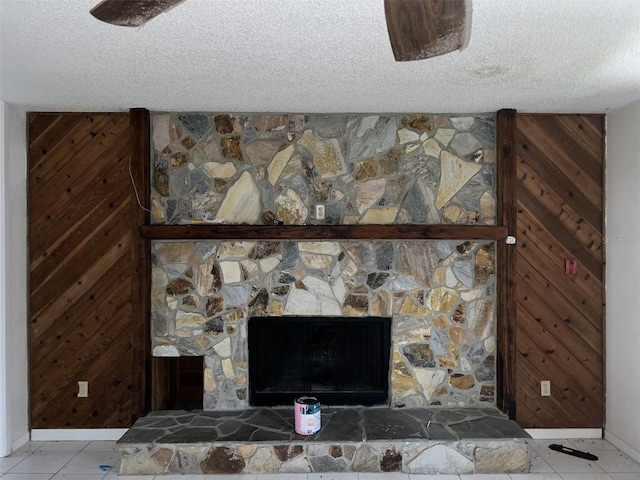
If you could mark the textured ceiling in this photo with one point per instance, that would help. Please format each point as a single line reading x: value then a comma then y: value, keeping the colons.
x: 318, y: 56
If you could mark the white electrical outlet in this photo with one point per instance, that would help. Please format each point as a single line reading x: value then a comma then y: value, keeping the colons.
x: 545, y: 388
x: 319, y: 212
x: 83, y: 389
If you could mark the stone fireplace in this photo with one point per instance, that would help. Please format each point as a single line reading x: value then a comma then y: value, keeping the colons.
x: 329, y: 170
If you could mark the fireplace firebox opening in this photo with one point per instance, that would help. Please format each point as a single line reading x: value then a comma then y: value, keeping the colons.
x: 339, y: 360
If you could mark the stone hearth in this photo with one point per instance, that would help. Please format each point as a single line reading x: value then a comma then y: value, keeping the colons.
x: 263, y: 440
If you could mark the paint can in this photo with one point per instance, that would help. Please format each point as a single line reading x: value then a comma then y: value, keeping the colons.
x: 307, y: 415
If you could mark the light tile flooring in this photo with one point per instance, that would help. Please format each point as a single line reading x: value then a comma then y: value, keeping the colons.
x: 99, y: 460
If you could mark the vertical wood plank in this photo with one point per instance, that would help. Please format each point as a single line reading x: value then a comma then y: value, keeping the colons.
x: 141, y: 294
x: 506, y: 215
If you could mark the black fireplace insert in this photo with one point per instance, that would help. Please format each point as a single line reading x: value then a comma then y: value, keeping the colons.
x: 339, y: 360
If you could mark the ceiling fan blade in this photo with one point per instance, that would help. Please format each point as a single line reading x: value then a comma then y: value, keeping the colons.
x: 131, y: 13
x: 420, y: 29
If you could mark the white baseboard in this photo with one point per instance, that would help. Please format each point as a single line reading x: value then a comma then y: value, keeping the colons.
x: 559, y: 433
x: 85, y: 434
x: 15, y: 445
x: 623, y: 446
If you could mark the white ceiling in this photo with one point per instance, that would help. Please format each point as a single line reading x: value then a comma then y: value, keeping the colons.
x: 318, y: 56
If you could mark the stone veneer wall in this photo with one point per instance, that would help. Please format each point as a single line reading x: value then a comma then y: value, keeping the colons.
x: 255, y: 169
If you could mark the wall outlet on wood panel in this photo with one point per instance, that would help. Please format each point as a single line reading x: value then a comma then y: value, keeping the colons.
x: 545, y: 388
x: 83, y: 389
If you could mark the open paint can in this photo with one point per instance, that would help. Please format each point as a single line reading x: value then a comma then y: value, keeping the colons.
x: 307, y: 415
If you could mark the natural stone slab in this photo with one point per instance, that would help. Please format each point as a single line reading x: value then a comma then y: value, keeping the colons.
x: 326, y: 154
x: 380, y: 216
x: 444, y: 135
x: 267, y: 123
x: 291, y: 209
x: 188, y: 319
x: 454, y: 174
x: 263, y: 460
x: 432, y: 147
x: 366, y: 460
x: 261, y: 152
x: 406, y: 136
x: 279, y: 162
x: 175, y: 252
x: 231, y: 272
x: 165, y: 351
x: 442, y: 299
x: 429, y: 380
x: 222, y: 460
x: 220, y: 170
x: 481, y: 318
x: 369, y: 193
x: 297, y: 465
x: 488, y: 208
x: 196, y: 123
x: 505, y: 458
x: 371, y: 135
x: 417, y: 260
x: 418, y: 122
x: 312, y: 297
x: 326, y: 248
x: 161, y: 135
x: 440, y: 459
x: 465, y: 144
x: 462, y: 123
x: 242, y: 202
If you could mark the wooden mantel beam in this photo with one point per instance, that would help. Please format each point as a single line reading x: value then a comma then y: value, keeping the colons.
x: 323, y: 232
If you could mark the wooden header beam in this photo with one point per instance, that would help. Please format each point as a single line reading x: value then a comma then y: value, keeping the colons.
x: 323, y: 232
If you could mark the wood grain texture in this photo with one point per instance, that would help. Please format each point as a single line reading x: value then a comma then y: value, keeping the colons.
x: 420, y: 29
x: 131, y: 13
x: 559, y: 330
x: 80, y: 257
x: 141, y: 295
x: 506, y: 213
x: 323, y: 232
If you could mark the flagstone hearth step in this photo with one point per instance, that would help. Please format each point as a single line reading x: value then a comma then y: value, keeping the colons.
x: 356, y: 439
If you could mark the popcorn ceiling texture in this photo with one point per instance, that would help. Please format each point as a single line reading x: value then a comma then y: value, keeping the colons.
x: 321, y: 56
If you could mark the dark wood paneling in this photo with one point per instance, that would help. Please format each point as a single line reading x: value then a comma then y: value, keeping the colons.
x: 140, y: 174
x: 559, y: 327
x: 506, y: 204
x: 80, y: 277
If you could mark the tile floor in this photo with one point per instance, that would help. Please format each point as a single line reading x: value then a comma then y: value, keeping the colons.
x: 91, y: 461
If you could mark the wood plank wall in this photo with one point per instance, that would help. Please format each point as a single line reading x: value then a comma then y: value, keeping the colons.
x: 80, y: 257
x: 83, y: 227
x: 559, y: 330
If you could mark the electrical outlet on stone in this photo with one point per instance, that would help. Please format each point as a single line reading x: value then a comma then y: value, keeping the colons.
x: 320, y: 212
